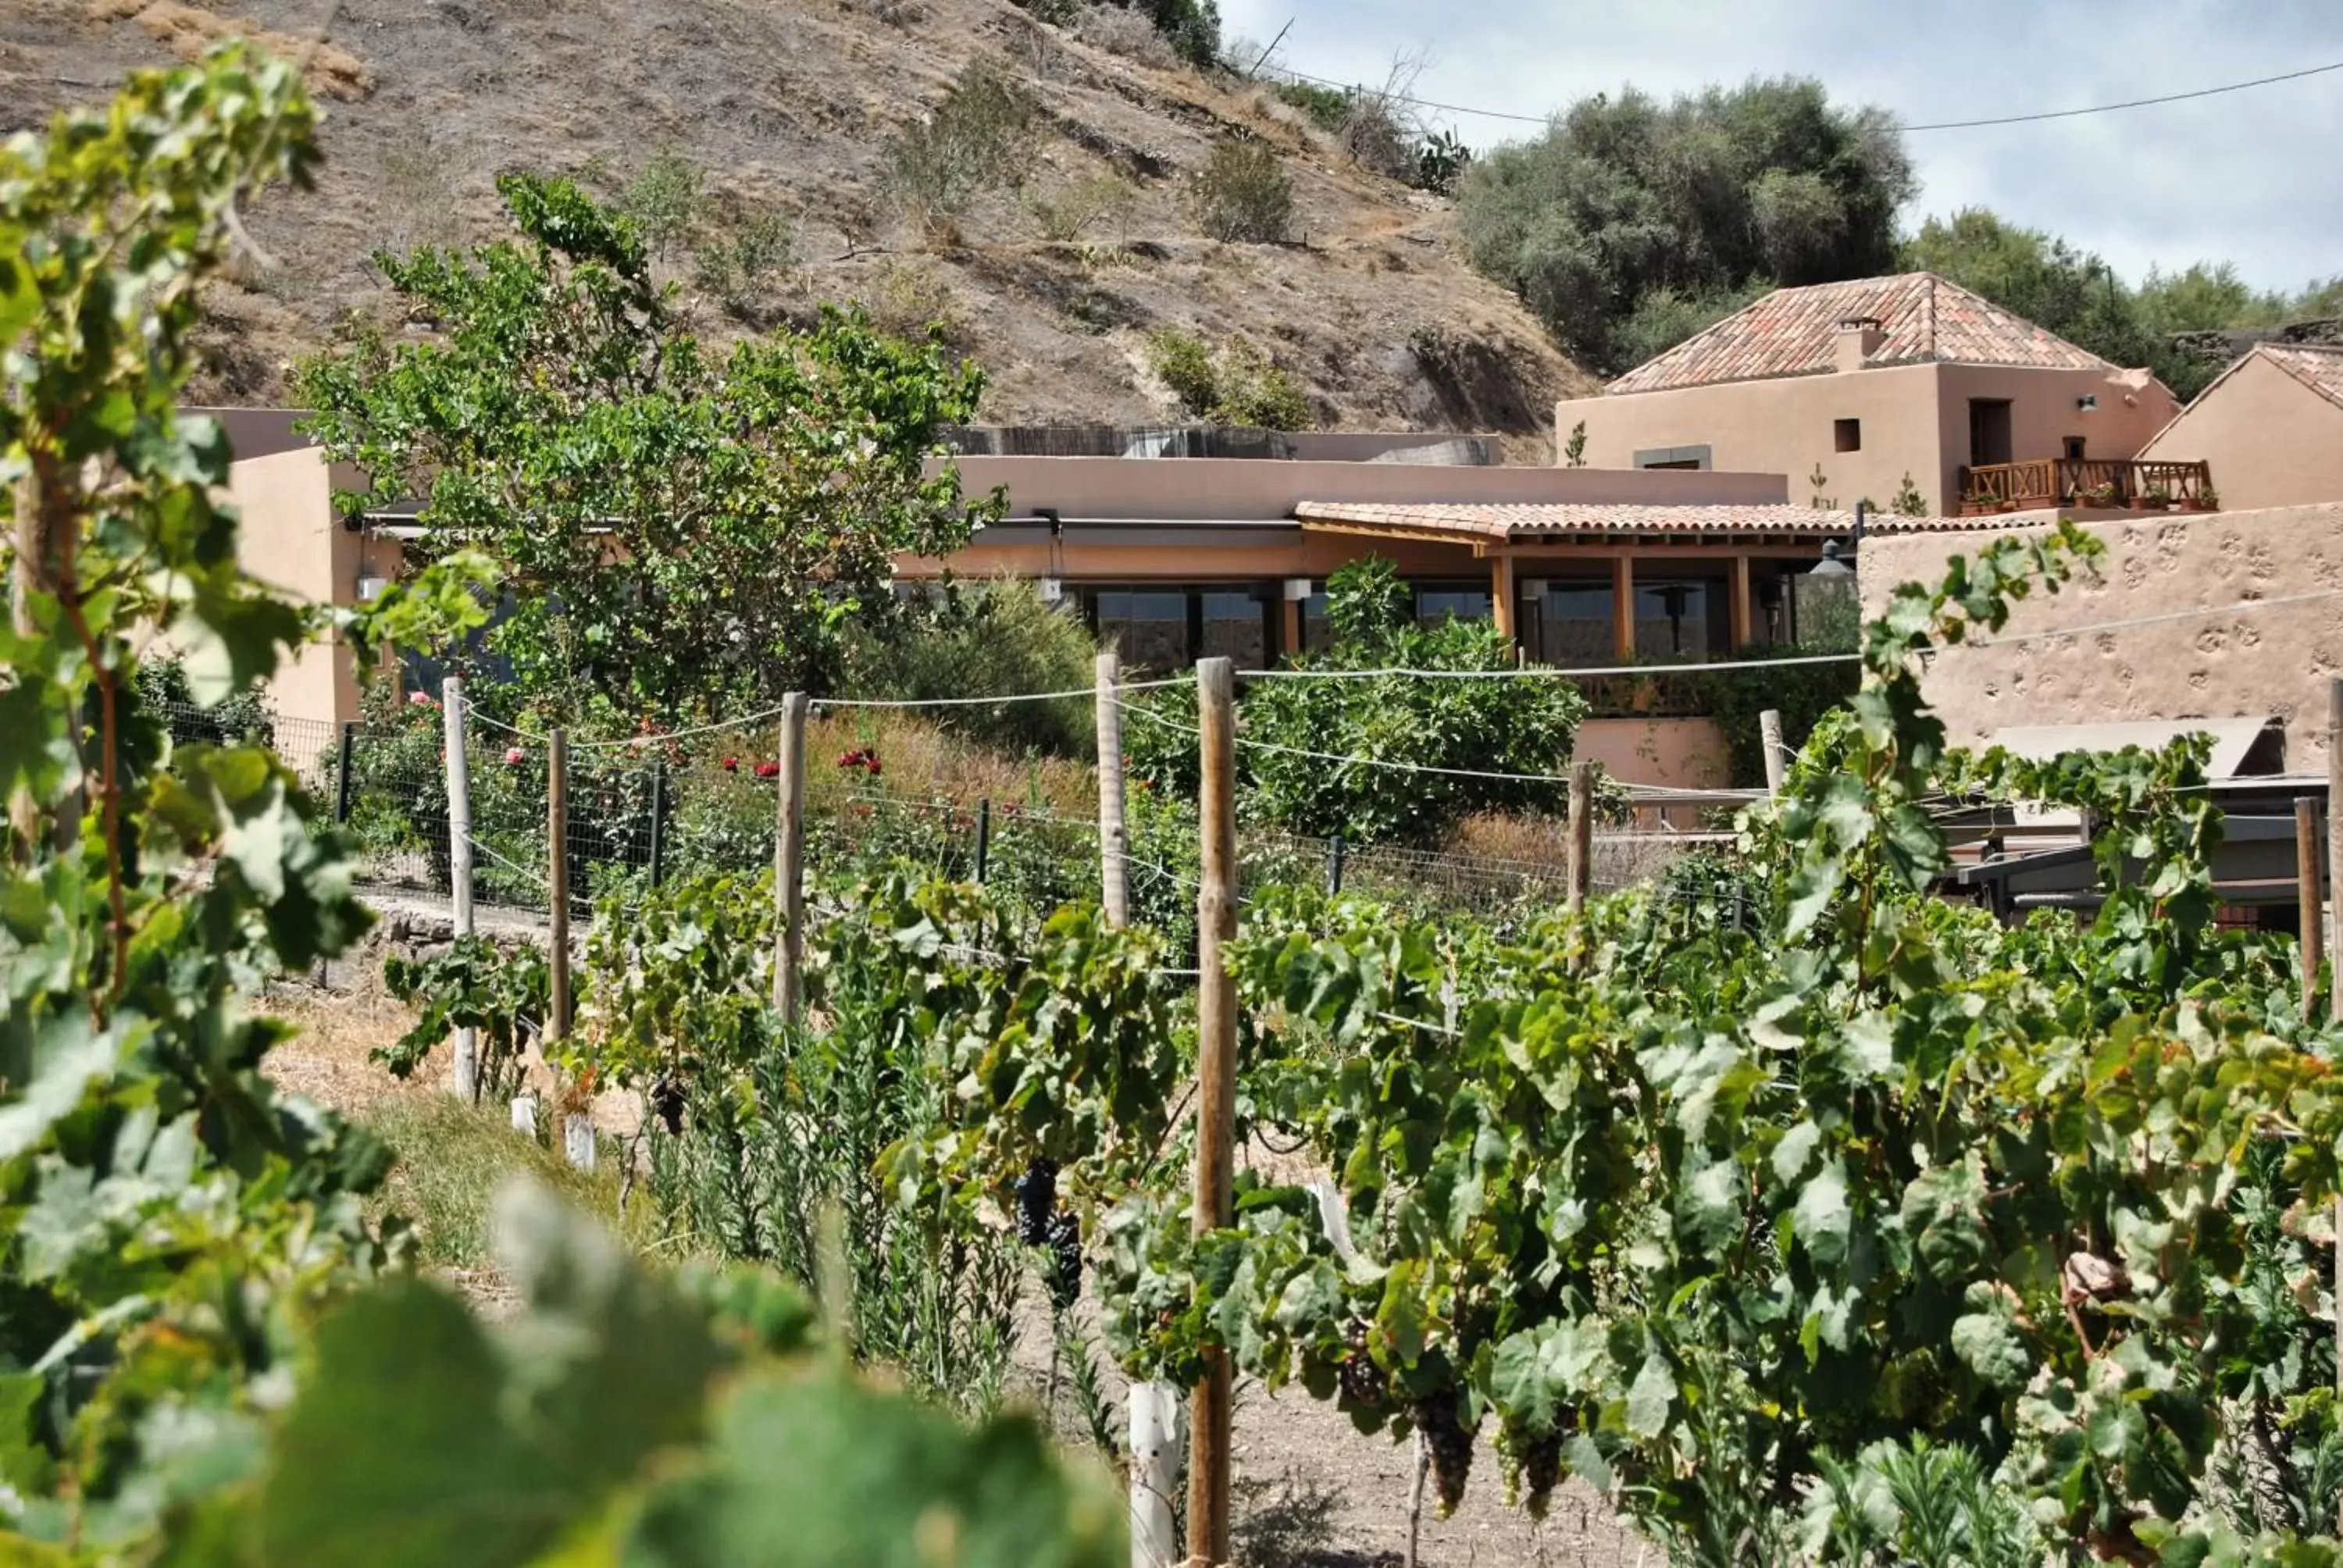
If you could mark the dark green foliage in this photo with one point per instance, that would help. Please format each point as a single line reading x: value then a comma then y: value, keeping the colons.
x: 1327, y: 108
x: 163, y: 689
x: 503, y: 993
x: 1734, y: 698
x: 1701, y: 201
x: 678, y: 529
x: 1516, y: 727
x: 1441, y: 160
x: 981, y: 641
x: 2076, y: 293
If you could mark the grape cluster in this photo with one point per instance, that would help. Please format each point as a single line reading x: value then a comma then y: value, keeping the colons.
x: 667, y: 1104
x: 1532, y: 1465
x: 1040, y: 1224
x: 1450, y: 1446
x: 1361, y: 1380
x: 1065, y: 1259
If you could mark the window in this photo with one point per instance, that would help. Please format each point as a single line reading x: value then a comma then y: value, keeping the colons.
x: 1233, y: 627
x: 1846, y: 435
x: 2074, y: 449
x: 1149, y: 629
x: 1434, y: 604
x: 1317, y: 631
x: 1680, y: 619
x: 1674, y: 458
x: 1988, y: 430
x: 1572, y: 625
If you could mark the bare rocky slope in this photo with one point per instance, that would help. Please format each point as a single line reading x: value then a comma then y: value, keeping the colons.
x: 789, y: 104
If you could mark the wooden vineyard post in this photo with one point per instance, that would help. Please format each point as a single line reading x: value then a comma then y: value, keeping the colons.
x: 789, y: 861
x: 1777, y: 761
x: 467, y: 1064
x: 2335, y: 937
x: 1582, y: 834
x: 1216, y: 1050
x: 2306, y: 890
x: 577, y: 1126
x: 1153, y: 1408
x: 1114, y: 840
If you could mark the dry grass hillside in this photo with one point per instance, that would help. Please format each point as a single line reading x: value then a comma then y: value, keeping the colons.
x: 789, y: 104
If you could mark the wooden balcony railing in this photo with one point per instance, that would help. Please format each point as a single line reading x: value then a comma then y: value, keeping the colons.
x: 2086, y: 481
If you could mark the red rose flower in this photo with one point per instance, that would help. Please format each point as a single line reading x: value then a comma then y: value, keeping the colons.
x: 769, y: 770
x: 871, y: 766
x: 515, y: 757
x: 731, y: 765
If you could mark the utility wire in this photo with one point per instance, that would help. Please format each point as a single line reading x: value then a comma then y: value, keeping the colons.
x: 1545, y: 672
x: 1931, y: 125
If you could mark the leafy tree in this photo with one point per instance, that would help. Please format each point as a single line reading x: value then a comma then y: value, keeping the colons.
x: 681, y: 531
x: 1342, y: 755
x: 667, y: 201
x: 1710, y: 197
x: 974, y: 140
x: 1242, y: 194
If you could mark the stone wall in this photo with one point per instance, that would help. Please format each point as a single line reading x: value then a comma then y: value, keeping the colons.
x: 2226, y: 662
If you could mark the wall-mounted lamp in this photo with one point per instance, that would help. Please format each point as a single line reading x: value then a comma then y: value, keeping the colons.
x: 1299, y: 590
x: 1534, y: 587
x: 2088, y: 403
x: 1054, y: 590
x: 371, y: 589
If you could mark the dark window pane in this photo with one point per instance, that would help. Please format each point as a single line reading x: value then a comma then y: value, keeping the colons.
x: 1150, y: 629
x: 1317, y: 631
x: 1433, y: 606
x: 1575, y: 624
x: 1234, y: 628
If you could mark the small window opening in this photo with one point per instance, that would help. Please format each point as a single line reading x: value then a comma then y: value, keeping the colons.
x: 1847, y: 434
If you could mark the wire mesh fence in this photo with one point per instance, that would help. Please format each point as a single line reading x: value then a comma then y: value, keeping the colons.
x: 641, y: 812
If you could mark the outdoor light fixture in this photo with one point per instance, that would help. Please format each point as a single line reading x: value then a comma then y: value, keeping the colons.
x: 2088, y: 403
x: 1054, y: 590
x: 1830, y: 565
x: 371, y: 589
x: 1297, y: 589
x: 1534, y: 587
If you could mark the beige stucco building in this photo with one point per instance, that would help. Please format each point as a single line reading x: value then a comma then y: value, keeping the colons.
x: 1866, y: 382
x: 2192, y: 643
x: 2270, y: 426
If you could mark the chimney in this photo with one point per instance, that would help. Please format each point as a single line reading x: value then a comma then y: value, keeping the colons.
x: 1859, y: 337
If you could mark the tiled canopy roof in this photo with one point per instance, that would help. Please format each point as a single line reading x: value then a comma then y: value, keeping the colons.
x: 2318, y: 369
x: 1519, y: 523
x: 1794, y: 332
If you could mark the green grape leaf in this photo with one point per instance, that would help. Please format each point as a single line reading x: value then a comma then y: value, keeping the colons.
x: 1650, y: 1396
x: 1822, y: 1219
x: 1988, y: 1343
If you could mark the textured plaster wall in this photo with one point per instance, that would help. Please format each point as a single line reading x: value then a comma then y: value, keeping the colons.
x: 2226, y: 663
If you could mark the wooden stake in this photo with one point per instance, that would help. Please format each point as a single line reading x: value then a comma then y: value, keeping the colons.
x: 556, y: 880
x: 1778, y: 761
x: 1115, y: 837
x: 1216, y: 1051
x: 467, y: 1064
x: 1582, y: 834
x: 2334, y: 936
x: 789, y: 862
x: 2305, y: 877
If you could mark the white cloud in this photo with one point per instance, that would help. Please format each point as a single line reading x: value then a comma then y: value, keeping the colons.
x: 2247, y: 177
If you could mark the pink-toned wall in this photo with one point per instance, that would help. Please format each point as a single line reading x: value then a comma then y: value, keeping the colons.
x: 1684, y: 753
x: 290, y: 539
x: 1913, y: 420
x: 1240, y: 489
x: 2271, y: 440
x: 2228, y: 662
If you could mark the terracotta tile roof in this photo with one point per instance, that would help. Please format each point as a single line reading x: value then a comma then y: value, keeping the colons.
x: 1794, y: 332
x: 1523, y: 521
x: 2320, y: 368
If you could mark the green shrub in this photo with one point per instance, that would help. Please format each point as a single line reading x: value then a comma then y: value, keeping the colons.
x: 1075, y: 209
x: 974, y: 140
x: 984, y: 639
x: 1242, y: 194
x: 1327, y: 108
x: 162, y: 687
x: 1184, y: 361
x: 667, y: 201
x: 1515, y: 727
x: 1241, y: 386
x: 747, y: 263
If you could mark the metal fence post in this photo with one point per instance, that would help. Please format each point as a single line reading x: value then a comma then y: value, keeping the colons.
x: 658, y: 822
x: 983, y: 837
x: 344, y: 758
x: 459, y: 864
x: 1334, y: 866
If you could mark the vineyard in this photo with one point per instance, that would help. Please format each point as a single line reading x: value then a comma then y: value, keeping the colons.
x: 1793, y: 1212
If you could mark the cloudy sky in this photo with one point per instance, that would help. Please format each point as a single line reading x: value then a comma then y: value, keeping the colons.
x: 2253, y: 177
